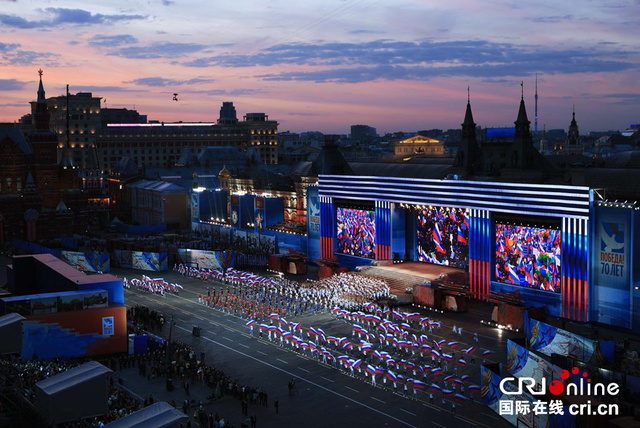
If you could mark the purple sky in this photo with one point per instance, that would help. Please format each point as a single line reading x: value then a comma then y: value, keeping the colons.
x: 326, y: 65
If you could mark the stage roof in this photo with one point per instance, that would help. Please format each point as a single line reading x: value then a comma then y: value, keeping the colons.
x: 157, y: 415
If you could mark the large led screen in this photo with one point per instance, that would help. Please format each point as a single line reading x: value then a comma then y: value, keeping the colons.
x: 443, y: 236
x: 528, y: 257
x: 356, y: 232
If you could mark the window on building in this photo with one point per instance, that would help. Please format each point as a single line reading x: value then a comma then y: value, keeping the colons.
x: 9, y: 184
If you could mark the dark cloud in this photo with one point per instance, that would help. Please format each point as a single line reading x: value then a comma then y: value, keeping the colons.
x: 161, y: 81
x: 552, y: 19
x: 62, y: 16
x: 116, y: 40
x: 392, y: 60
x: 11, y: 85
x: 158, y: 50
x: 106, y: 89
x: 226, y: 92
x: 167, y: 2
x: 11, y: 54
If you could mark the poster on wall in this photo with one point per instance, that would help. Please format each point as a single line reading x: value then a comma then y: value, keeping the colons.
x: 313, y: 223
x: 612, y: 248
x: 356, y: 232
x: 443, y: 236
x: 87, y: 262
x: 143, y: 260
x: 529, y: 257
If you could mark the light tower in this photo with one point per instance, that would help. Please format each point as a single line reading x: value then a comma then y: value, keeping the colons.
x: 535, y: 120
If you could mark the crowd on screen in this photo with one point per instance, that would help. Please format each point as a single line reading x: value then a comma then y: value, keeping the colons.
x: 443, y: 237
x: 528, y: 256
x: 356, y: 232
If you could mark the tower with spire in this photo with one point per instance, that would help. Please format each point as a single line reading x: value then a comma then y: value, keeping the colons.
x: 535, y: 120
x: 468, y: 148
x: 522, y: 148
x: 573, y: 136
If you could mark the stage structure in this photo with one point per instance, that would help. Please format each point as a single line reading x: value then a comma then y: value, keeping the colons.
x: 530, y: 238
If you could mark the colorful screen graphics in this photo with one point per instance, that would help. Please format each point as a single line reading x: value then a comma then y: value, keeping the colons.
x: 529, y: 257
x: 356, y: 232
x: 443, y: 236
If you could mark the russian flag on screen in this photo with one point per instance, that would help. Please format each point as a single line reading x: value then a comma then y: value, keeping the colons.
x: 513, y: 276
x: 437, y: 240
x: 466, y: 220
x: 461, y: 237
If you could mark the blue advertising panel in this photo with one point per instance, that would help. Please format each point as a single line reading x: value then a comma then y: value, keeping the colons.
x: 612, y: 267
x: 143, y: 260
x: 87, y: 262
x: 313, y: 223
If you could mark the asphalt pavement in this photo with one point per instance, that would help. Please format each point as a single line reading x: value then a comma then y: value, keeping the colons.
x: 325, y: 395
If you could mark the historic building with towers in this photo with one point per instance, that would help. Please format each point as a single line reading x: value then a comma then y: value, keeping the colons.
x: 41, y: 197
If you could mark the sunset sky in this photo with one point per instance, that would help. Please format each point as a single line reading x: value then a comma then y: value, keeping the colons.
x: 401, y: 65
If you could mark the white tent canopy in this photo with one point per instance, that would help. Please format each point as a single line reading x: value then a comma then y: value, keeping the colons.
x: 158, y: 415
x: 11, y: 333
x: 77, y: 393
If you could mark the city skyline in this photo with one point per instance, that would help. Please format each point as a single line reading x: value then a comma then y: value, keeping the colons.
x: 400, y: 67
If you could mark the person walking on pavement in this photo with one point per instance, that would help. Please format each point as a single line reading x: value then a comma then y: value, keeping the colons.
x: 276, y: 404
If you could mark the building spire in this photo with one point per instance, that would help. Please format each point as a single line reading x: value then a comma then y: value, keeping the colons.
x: 522, y: 90
x: 535, y: 123
x: 41, y: 96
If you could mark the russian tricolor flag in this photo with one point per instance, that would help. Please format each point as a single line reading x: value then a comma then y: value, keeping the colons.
x: 437, y: 240
x: 419, y: 384
x: 449, y: 378
x: 462, y: 363
x: 459, y: 398
x: 447, y: 393
x: 436, y: 371
x: 274, y: 316
x: 453, y: 344
x: 461, y: 237
x: 474, y: 388
x: 371, y: 370
x: 251, y: 323
x: 435, y: 388
x: 465, y: 378
x: 391, y: 376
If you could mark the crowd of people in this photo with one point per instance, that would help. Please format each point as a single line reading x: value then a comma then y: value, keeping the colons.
x: 152, y: 285
x: 388, y: 348
x: 24, y: 375
x: 259, y: 295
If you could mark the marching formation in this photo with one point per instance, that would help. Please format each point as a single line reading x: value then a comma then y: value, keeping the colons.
x: 259, y: 295
x: 390, y: 349
x: 152, y: 285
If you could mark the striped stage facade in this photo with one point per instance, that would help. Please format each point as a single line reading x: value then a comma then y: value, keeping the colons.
x: 383, y: 230
x: 575, y: 244
x: 481, y: 246
x: 570, y: 206
x: 327, y: 228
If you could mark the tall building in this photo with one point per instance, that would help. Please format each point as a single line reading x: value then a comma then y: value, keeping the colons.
x: 83, y: 118
x: 161, y: 144
x: 363, y: 133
